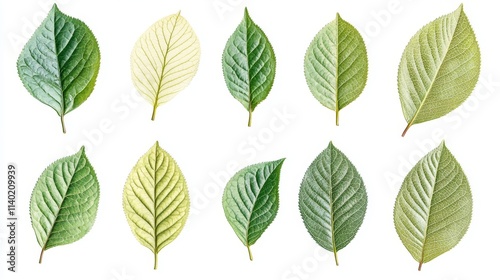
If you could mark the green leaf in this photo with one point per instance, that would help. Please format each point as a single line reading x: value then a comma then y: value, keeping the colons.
x: 64, y: 201
x: 439, y: 68
x: 251, y: 200
x: 60, y: 62
x: 336, y: 65
x: 165, y: 59
x: 434, y: 206
x: 332, y: 200
x: 156, y: 200
x: 249, y: 65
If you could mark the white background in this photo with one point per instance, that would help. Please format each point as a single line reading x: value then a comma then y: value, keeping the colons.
x: 205, y: 130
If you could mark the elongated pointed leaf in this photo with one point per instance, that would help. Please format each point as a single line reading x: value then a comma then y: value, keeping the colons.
x: 336, y: 65
x: 332, y: 200
x: 64, y: 201
x: 165, y: 59
x: 439, y: 68
x: 434, y: 206
x: 251, y: 200
x: 249, y: 65
x: 60, y: 62
x: 156, y: 200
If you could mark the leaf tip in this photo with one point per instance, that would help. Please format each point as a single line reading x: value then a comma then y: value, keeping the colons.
x: 82, y: 150
x: 246, y: 14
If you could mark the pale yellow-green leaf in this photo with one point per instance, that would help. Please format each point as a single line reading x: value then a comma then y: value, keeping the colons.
x: 156, y: 200
x: 165, y: 59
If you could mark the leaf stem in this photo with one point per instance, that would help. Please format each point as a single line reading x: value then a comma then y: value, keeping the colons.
x: 156, y: 260
x: 154, y: 113
x: 335, y: 255
x: 407, y: 128
x: 420, y: 266
x: 41, y: 255
x: 337, y: 117
x: 249, y: 253
x: 249, y: 118
x: 62, y: 124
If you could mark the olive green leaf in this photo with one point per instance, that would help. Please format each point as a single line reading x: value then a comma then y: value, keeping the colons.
x: 156, y: 200
x: 251, y: 200
x: 249, y: 65
x: 439, y: 68
x: 60, y: 62
x: 332, y: 200
x: 165, y: 59
x: 64, y: 201
x: 336, y: 65
x: 434, y: 206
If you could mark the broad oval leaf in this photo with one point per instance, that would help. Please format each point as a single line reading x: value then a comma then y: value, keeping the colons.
x: 156, y: 200
x: 336, y: 65
x: 60, y: 62
x: 64, y: 202
x: 165, y: 59
x: 434, y: 206
x: 249, y: 65
x: 439, y: 68
x: 251, y: 200
x: 332, y: 200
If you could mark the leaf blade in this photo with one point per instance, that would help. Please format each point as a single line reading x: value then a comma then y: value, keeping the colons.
x: 332, y: 200
x: 434, y: 206
x: 250, y: 200
x: 64, y: 202
x: 60, y: 62
x: 249, y: 65
x: 336, y: 65
x: 439, y: 68
x: 156, y: 200
x: 165, y: 59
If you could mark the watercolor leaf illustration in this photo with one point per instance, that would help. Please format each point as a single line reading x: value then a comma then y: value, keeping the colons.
x: 60, y: 62
x: 439, y: 68
x: 249, y: 65
x: 165, y: 59
x: 251, y: 200
x: 64, y: 202
x: 336, y: 65
x: 434, y: 206
x: 332, y: 200
x: 156, y: 200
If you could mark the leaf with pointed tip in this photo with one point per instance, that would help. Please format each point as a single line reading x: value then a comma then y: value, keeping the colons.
x: 63, y: 204
x: 251, y: 200
x: 249, y: 65
x: 332, y: 200
x: 156, y: 200
x: 60, y: 62
x: 434, y: 206
x: 336, y: 65
x: 439, y: 68
x: 165, y: 59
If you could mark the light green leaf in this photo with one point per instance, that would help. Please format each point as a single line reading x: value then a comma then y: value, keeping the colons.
x: 156, y: 200
x: 60, y: 62
x: 165, y: 59
x: 332, y: 200
x: 64, y: 201
x: 251, y: 200
x: 249, y: 65
x: 336, y: 65
x: 434, y: 206
x: 439, y: 68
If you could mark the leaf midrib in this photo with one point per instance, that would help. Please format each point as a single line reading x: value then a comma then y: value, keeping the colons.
x: 331, y: 200
x: 248, y: 23
x: 424, y: 240
x: 62, y: 202
x: 164, y: 64
x: 59, y: 79
x: 154, y: 201
x: 437, y: 73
